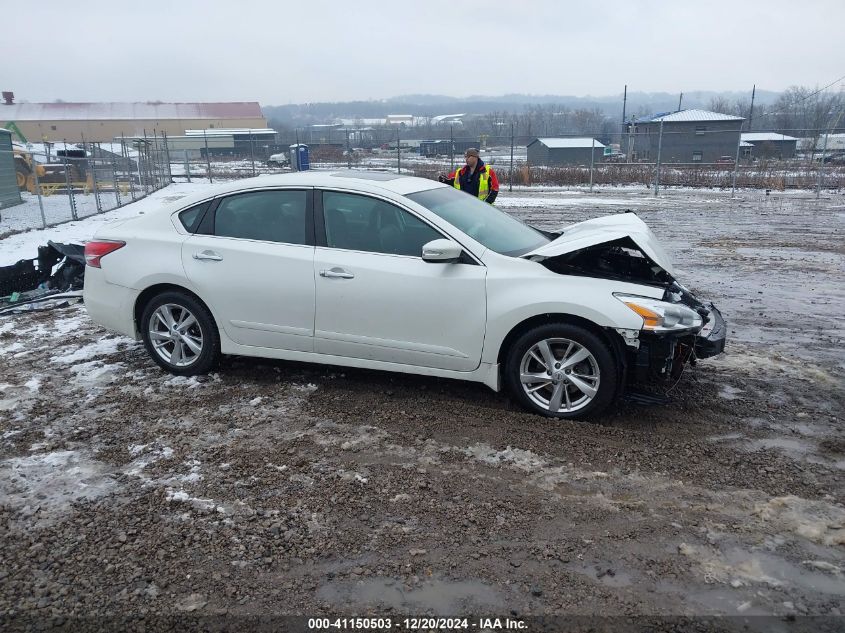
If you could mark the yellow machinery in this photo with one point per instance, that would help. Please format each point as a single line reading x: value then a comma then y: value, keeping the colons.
x: 51, y: 176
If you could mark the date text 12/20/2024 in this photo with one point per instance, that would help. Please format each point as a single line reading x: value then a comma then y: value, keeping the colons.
x: 416, y: 624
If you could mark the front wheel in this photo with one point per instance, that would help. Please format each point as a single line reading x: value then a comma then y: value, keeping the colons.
x: 180, y: 334
x: 562, y: 371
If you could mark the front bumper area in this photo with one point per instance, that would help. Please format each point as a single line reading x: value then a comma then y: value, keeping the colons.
x: 661, y: 358
x: 711, y: 339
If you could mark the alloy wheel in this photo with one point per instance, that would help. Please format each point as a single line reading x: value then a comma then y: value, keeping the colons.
x: 559, y: 375
x: 175, y: 335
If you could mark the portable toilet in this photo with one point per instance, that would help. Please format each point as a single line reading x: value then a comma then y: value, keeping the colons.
x: 299, y: 159
x: 10, y: 194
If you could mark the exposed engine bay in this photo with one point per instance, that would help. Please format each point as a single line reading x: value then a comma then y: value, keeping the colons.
x: 653, y: 357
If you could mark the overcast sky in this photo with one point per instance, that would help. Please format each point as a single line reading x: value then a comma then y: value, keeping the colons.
x: 281, y: 51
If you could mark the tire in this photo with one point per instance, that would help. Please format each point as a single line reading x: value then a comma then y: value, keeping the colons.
x: 191, y: 350
x: 583, y: 389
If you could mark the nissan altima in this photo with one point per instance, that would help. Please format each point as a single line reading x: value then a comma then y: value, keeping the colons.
x: 403, y: 274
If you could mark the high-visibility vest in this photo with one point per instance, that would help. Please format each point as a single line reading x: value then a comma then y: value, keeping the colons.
x: 483, y: 181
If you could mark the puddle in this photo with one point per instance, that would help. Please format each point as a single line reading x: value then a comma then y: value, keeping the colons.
x: 740, y: 568
x: 725, y: 438
x: 605, y: 574
x: 814, y: 520
x: 443, y: 597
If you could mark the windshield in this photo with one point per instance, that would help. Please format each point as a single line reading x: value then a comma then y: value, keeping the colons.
x: 483, y: 222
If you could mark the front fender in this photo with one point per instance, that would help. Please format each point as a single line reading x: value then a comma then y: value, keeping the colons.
x: 511, y: 302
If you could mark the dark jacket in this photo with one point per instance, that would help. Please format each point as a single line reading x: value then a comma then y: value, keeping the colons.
x: 469, y: 182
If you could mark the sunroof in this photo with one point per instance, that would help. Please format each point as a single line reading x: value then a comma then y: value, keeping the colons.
x: 366, y: 175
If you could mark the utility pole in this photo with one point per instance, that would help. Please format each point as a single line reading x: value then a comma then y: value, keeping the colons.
x: 624, y: 111
x: 659, y: 150
x: 624, y: 103
x: 680, y: 101
x: 751, y: 111
x: 451, y: 149
x: 510, y: 175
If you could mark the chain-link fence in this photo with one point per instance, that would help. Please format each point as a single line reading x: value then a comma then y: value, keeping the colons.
x: 652, y: 156
x: 60, y: 182
x: 64, y: 181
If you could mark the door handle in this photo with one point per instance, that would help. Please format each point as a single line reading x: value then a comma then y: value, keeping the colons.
x: 208, y: 255
x: 337, y: 273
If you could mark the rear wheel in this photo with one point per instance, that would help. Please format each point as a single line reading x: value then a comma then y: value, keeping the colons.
x: 180, y: 334
x: 562, y: 371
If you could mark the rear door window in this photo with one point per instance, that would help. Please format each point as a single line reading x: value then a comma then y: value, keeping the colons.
x: 191, y: 218
x: 269, y: 216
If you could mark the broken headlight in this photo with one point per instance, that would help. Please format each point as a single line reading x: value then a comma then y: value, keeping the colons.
x: 661, y: 316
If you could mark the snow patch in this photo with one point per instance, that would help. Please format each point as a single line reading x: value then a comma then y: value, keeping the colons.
x: 47, y: 484
x: 95, y: 373
x: 12, y: 348
x: 97, y: 348
x: 183, y: 382
x: 814, y: 520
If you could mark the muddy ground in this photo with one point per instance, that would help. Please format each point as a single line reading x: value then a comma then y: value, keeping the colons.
x: 282, y: 488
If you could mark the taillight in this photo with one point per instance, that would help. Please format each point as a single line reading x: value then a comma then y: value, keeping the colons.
x: 95, y: 251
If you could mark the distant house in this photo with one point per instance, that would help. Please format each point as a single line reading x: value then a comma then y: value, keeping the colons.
x: 400, y: 119
x: 689, y: 136
x: 445, y: 147
x: 770, y: 144
x: 564, y: 151
x: 832, y: 145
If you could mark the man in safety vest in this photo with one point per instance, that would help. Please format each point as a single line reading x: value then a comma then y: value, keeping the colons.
x: 476, y: 178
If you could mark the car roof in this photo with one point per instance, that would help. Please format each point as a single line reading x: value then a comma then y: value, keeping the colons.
x: 363, y: 181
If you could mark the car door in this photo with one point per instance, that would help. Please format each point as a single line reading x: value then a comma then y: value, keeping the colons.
x: 377, y: 299
x: 252, y: 261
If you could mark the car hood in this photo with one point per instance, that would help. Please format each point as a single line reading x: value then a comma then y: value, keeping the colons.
x: 605, y: 229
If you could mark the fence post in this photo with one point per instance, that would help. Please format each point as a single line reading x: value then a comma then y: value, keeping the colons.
x: 736, y: 163
x: 38, y: 193
x: 92, y: 171
x: 130, y: 173
x: 821, y: 167
x: 187, y: 166
x: 510, y: 172
x: 207, y: 157
x: 451, y: 149
x: 145, y: 171
x: 659, y: 150
x: 73, y: 214
x: 348, y: 151
x: 252, y: 153
x: 167, y: 158
x: 398, y: 153
x: 157, y: 161
x: 114, y: 181
x: 592, y: 161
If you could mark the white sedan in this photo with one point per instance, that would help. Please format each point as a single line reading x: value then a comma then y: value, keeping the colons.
x: 401, y: 274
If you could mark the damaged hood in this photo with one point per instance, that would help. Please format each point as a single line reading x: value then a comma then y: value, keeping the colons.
x: 605, y: 229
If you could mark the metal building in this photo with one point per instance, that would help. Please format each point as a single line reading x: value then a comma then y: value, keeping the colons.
x: 10, y: 194
x: 689, y: 136
x: 770, y: 144
x: 565, y: 151
x: 102, y: 122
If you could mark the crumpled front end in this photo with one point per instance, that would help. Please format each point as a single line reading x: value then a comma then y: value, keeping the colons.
x: 677, y: 329
x: 660, y: 357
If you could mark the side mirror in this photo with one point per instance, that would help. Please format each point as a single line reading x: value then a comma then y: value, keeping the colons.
x: 441, y: 251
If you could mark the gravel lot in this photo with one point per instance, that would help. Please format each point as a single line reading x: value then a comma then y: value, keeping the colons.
x: 281, y: 488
